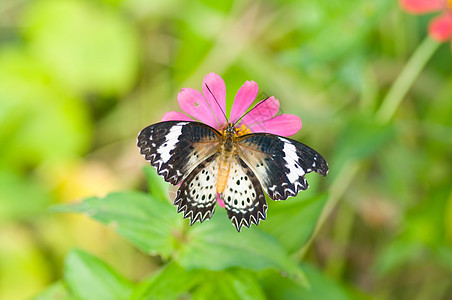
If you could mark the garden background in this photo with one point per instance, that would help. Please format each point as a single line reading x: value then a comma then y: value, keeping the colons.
x: 79, y: 79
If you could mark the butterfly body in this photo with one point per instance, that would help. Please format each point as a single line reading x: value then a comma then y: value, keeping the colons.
x: 227, y: 150
x: 205, y: 161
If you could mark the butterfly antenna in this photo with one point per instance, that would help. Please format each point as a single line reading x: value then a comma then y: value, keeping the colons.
x: 261, y: 102
x: 227, y: 121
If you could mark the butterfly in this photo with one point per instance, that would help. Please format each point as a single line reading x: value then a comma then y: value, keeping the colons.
x: 205, y: 161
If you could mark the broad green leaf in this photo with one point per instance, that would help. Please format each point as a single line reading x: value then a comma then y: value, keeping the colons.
x: 171, y: 282
x: 157, y: 186
x: 89, y: 278
x: 155, y: 227
x: 293, y: 221
x: 150, y: 224
x: 56, y: 291
x: 174, y: 282
x: 216, y: 245
x: 86, y: 46
x: 229, y: 285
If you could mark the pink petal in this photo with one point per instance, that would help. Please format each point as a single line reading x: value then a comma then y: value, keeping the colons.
x: 244, y: 98
x: 217, y: 103
x: 175, y: 116
x: 264, y: 110
x: 193, y: 103
x: 220, y: 201
x: 440, y: 28
x: 422, y: 6
x: 284, y: 125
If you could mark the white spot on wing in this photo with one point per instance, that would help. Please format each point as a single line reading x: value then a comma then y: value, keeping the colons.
x: 239, y: 193
x: 291, y: 158
x: 172, y: 138
x: 203, y: 186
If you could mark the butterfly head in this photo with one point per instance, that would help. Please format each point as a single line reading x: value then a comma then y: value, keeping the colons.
x: 229, y: 131
x: 232, y: 131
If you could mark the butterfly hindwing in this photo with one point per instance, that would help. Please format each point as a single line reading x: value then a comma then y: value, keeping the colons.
x: 280, y: 163
x: 197, y: 195
x: 175, y: 148
x: 243, y: 196
x: 189, y: 153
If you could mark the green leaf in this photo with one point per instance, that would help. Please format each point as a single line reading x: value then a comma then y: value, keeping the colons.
x: 155, y: 227
x: 56, y: 291
x: 216, y: 245
x: 89, y: 278
x: 231, y: 284
x: 150, y: 224
x: 174, y: 282
x: 293, y: 221
x: 157, y: 186
x: 170, y: 282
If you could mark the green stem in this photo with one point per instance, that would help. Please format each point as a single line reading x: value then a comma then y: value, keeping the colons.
x: 405, y: 80
x: 337, y: 190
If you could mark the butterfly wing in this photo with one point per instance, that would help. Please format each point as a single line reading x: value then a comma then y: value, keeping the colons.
x: 197, y: 195
x: 175, y: 148
x: 280, y: 163
x: 243, y: 196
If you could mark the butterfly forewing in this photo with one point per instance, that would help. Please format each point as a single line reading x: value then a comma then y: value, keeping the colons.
x: 243, y: 196
x: 280, y: 163
x: 190, y: 153
x: 197, y: 195
x: 175, y: 148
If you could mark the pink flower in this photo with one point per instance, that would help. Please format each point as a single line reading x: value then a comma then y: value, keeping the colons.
x: 440, y: 28
x: 208, y: 107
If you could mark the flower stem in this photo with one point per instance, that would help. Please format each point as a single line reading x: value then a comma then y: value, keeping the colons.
x: 405, y: 80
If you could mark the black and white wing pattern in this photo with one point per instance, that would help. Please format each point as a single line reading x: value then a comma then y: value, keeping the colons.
x: 189, y: 154
x: 243, y: 196
x: 175, y: 148
x: 197, y: 195
x: 280, y: 163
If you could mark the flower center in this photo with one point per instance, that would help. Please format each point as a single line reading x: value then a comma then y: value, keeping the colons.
x: 449, y: 4
x: 243, y: 129
x: 239, y: 131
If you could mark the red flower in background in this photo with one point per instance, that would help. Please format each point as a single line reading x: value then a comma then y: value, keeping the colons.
x: 440, y: 28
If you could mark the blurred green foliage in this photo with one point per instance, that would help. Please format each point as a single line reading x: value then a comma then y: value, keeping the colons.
x: 79, y: 79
